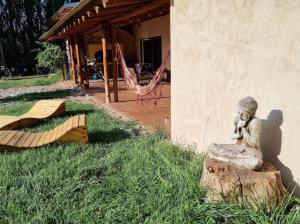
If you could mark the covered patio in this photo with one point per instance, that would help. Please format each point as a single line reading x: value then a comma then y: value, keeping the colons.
x: 148, y: 114
x: 142, y: 29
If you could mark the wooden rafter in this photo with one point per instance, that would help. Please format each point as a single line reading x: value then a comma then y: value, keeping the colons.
x: 97, y: 9
x: 120, y: 13
x: 141, y: 10
x: 125, y: 2
x: 144, y: 17
x: 104, y: 3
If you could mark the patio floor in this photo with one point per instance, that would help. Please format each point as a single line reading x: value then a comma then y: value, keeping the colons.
x: 147, y: 113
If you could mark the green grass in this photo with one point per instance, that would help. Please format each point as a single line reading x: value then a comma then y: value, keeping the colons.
x: 6, y: 84
x: 121, y: 176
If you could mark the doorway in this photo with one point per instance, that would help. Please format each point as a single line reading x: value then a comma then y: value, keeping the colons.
x: 151, y: 52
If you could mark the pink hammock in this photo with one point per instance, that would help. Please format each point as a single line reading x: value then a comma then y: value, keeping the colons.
x: 153, y: 88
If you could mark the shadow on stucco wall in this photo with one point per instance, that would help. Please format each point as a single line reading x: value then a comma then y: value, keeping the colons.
x: 271, y: 147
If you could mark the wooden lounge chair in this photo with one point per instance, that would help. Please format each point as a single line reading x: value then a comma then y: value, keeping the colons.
x: 42, y: 110
x: 72, y: 131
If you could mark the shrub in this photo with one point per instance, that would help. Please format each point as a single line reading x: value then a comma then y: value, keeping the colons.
x: 50, y: 56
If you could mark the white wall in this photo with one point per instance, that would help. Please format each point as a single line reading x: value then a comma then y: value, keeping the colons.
x: 225, y: 50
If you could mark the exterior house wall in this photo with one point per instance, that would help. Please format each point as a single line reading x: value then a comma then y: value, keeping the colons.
x: 94, y: 45
x: 92, y: 49
x: 159, y: 26
x: 127, y: 40
x: 225, y: 50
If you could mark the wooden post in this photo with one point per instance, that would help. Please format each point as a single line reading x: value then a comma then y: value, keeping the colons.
x: 67, y: 75
x: 71, y: 47
x: 115, y: 64
x: 67, y: 61
x: 85, y: 79
x: 62, y: 70
x: 105, y: 69
x: 79, y: 72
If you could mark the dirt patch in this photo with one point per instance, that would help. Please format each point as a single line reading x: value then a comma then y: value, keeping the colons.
x: 11, y: 92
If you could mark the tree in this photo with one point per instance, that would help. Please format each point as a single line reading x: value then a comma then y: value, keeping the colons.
x: 50, y: 56
x: 22, y: 22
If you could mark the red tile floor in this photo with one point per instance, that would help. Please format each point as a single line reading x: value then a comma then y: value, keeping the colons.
x: 146, y: 113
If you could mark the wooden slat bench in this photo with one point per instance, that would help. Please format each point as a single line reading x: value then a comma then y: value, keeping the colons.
x: 74, y: 130
x: 42, y: 110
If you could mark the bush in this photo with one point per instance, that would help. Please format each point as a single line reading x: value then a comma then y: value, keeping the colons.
x: 50, y: 56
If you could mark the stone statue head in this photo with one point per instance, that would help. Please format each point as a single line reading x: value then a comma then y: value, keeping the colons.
x: 247, y: 108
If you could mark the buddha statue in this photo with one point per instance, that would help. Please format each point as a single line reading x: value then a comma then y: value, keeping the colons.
x: 247, y: 132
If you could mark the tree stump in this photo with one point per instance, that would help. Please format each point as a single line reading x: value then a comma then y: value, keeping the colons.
x: 226, y: 182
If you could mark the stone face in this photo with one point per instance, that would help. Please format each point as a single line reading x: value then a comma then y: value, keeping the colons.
x: 226, y: 182
x: 247, y: 132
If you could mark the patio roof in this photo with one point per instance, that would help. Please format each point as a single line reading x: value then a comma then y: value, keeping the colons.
x: 65, y: 9
x: 90, y: 13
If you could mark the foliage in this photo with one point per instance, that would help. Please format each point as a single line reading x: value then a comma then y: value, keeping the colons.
x: 42, y: 81
x: 50, y: 56
x: 119, y: 177
x: 22, y: 22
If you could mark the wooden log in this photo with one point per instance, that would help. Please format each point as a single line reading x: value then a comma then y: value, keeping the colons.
x: 226, y: 182
x: 105, y: 68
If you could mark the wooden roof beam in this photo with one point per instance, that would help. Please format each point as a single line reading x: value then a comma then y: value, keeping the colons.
x: 144, y: 17
x: 113, y: 11
x: 104, y: 3
x: 141, y: 10
x: 84, y: 26
x: 125, y: 2
x: 97, y: 9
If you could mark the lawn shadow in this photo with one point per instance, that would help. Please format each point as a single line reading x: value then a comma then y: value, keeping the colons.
x: 107, y: 137
x: 37, y: 96
x: 271, y: 147
x: 78, y: 112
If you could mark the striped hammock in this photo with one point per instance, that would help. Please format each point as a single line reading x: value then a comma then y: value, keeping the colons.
x: 153, y: 87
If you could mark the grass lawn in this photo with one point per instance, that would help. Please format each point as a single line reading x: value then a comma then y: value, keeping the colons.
x: 121, y: 176
x: 5, y: 84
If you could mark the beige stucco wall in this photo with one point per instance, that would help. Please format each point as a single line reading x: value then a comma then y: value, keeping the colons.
x: 159, y: 26
x: 225, y: 50
x: 91, y: 49
x: 127, y: 41
x: 93, y: 44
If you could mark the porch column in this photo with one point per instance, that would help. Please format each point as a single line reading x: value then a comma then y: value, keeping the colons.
x: 115, y: 64
x: 78, y: 56
x: 71, y: 47
x: 105, y: 69
x: 68, y: 60
x: 62, y: 69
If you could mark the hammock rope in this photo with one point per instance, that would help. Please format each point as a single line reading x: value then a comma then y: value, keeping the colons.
x: 153, y: 87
